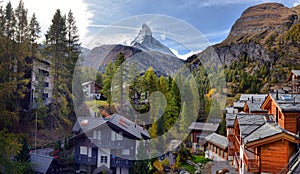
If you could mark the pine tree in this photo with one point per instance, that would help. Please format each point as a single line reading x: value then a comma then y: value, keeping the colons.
x: 57, y: 49
x: 34, y: 31
x: 74, y: 47
x: 106, y: 90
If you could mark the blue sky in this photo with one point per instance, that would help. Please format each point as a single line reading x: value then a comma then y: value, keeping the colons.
x: 213, y: 18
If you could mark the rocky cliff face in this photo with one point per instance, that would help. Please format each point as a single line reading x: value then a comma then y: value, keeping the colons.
x: 259, y: 32
x: 260, y: 21
x: 268, y: 35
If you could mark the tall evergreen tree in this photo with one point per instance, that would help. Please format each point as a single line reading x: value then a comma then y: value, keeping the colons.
x: 57, y: 50
x: 74, y: 47
x: 34, y: 31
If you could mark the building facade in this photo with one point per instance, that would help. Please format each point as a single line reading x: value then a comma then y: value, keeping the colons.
x: 108, y: 144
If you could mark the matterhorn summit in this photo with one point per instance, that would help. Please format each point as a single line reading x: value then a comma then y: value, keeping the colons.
x: 147, y: 42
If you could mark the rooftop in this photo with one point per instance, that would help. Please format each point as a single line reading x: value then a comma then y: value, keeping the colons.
x: 238, y: 104
x: 287, y: 102
x: 204, y: 126
x: 40, y: 163
x: 250, y: 122
x: 255, y: 106
x: 230, y: 119
x: 256, y: 97
x: 217, y: 139
x: 88, y: 123
x: 296, y: 72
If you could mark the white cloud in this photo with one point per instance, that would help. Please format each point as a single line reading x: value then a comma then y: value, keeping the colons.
x: 184, y: 56
x: 296, y: 3
x: 45, y: 9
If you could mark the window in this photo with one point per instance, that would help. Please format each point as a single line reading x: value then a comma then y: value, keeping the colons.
x: 95, y: 134
x: 83, y: 167
x: 125, y: 152
x: 104, y: 159
x: 113, y: 136
x: 90, y: 152
x: 119, y: 136
x: 83, y: 150
x: 99, y: 135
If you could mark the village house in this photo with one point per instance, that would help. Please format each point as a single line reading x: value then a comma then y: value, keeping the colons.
x: 294, y: 81
x: 248, y: 98
x: 216, y: 147
x: 106, y: 144
x: 260, y: 145
x: 91, y: 90
x: 199, y: 131
x: 286, y: 110
x: 43, y: 164
x: 41, y: 82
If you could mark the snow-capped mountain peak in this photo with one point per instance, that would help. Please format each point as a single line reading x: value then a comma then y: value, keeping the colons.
x: 146, y: 41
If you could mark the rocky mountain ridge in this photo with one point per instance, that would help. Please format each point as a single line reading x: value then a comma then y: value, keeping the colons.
x: 266, y: 34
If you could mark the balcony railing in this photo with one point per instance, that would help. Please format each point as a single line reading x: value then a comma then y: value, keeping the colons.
x: 252, y: 161
x: 84, y: 159
x: 120, y: 162
x: 237, y: 159
x: 237, y: 144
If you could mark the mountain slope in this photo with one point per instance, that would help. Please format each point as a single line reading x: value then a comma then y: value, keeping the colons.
x: 145, y: 51
x: 263, y: 44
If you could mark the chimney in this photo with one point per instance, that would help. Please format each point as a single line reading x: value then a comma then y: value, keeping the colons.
x: 277, y: 95
x: 252, y: 99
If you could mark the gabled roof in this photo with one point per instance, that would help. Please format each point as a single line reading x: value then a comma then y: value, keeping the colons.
x: 102, y: 169
x: 231, y: 110
x: 85, y: 124
x: 269, y: 131
x: 248, y: 123
x: 217, y: 139
x: 254, y: 106
x: 128, y: 126
x: 285, y: 102
x: 40, y: 163
x: 204, y: 126
x: 230, y: 119
x: 296, y: 72
x: 256, y: 97
x: 238, y: 104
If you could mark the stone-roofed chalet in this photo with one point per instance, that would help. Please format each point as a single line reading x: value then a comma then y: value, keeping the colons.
x: 217, y: 147
x: 294, y: 81
x: 286, y: 110
x: 260, y: 145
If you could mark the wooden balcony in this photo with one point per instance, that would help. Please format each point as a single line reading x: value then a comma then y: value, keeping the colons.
x: 252, y: 161
x: 120, y: 162
x: 237, y: 143
x: 84, y: 159
x: 237, y: 159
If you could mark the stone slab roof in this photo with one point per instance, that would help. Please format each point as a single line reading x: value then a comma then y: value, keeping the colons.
x: 204, y: 126
x: 40, y: 163
x: 217, y: 139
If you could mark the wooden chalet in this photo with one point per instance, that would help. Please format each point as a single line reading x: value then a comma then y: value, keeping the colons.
x: 260, y: 145
x: 216, y: 147
x: 294, y: 81
x: 200, y: 130
x: 286, y: 110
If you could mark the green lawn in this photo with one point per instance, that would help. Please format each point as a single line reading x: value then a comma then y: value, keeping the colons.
x: 188, y: 167
x: 93, y: 103
x: 199, y: 159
